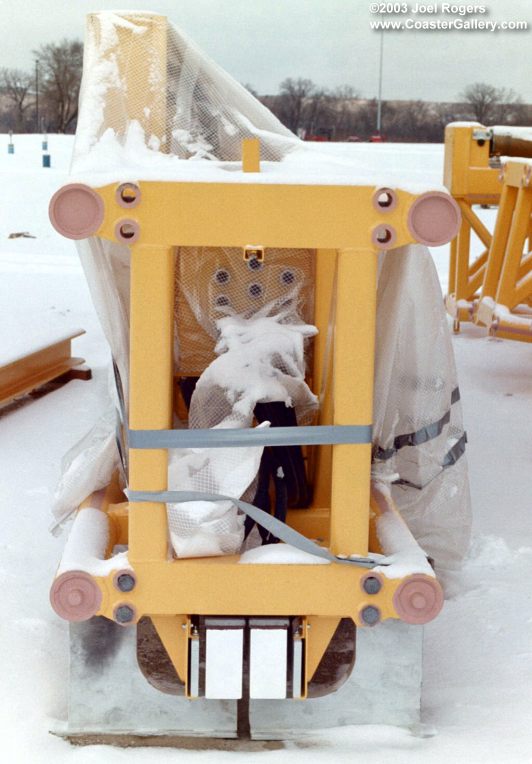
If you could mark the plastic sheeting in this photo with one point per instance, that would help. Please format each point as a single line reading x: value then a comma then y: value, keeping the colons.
x: 182, y: 106
x: 179, y: 102
x: 260, y: 359
x: 418, y: 433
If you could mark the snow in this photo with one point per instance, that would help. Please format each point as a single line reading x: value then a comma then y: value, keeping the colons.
x: 522, y: 133
x: 280, y: 554
x: 35, y: 339
x: 478, y: 662
x: 403, y: 554
x: 86, y: 545
x: 110, y: 160
x: 464, y: 124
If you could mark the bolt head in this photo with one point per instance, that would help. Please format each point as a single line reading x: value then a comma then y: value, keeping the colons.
x: 124, y: 614
x: 372, y: 585
x: 125, y: 582
x: 370, y: 615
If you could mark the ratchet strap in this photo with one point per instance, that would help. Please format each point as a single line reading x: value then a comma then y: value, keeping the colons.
x: 271, y: 524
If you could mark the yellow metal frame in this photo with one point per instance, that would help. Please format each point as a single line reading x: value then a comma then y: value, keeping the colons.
x: 338, y: 222
x: 501, y: 273
x: 471, y: 181
x: 508, y: 279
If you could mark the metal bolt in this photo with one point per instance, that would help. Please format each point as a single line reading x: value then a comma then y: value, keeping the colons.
x: 125, y: 582
x: 372, y: 585
x: 124, y: 614
x: 371, y: 615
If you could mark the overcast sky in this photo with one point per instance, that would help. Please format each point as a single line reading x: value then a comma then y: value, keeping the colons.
x: 329, y: 41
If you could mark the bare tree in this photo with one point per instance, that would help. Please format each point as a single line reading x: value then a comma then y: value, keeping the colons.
x: 315, y: 114
x: 490, y: 104
x: 16, y: 86
x: 482, y: 99
x: 60, y: 66
x: 509, y: 109
x: 293, y: 94
x: 343, y: 117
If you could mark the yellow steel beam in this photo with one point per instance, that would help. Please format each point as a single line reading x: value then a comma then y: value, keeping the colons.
x: 150, y: 391
x: 221, y: 586
x: 267, y: 214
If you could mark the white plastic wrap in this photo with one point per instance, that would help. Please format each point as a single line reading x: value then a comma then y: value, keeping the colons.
x: 418, y: 433
x: 260, y: 359
x: 184, y: 117
x: 87, y: 467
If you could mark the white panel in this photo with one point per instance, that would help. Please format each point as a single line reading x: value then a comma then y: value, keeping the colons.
x: 223, y: 669
x: 268, y: 657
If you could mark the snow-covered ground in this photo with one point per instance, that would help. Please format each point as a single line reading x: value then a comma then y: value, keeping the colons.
x: 477, y: 696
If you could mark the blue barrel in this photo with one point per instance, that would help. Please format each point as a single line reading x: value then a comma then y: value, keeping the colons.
x: 10, y: 148
x: 46, y: 160
x: 45, y: 145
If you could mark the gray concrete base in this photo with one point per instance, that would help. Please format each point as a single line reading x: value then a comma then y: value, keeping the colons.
x: 109, y: 696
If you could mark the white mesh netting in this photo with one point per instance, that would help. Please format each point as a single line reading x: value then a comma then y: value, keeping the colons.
x: 418, y: 433
x: 147, y: 89
x: 261, y: 359
x: 150, y: 100
x: 212, y: 282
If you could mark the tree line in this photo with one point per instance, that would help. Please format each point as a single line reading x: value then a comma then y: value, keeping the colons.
x: 46, y: 100
x: 341, y: 114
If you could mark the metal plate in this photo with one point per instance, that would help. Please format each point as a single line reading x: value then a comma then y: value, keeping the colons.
x: 109, y: 697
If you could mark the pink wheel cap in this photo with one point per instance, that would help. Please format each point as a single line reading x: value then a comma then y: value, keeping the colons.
x: 419, y: 599
x: 434, y: 219
x: 76, y: 211
x: 75, y: 596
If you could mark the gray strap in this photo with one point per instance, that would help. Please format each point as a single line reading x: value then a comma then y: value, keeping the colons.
x: 417, y: 438
x: 272, y: 524
x: 251, y: 436
x: 450, y: 459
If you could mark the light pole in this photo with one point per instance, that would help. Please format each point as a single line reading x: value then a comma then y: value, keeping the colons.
x: 379, y: 100
x: 37, y: 95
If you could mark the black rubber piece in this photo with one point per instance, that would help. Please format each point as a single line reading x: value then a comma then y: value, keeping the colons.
x: 284, y: 465
x: 187, y: 385
x: 290, y: 458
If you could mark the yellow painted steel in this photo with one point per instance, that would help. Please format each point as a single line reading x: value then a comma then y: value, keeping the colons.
x: 222, y: 585
x: 472, y: 181
x: 150, y: 391
x: 138, y: 91
x: 320, y: 631
x: 237, y: 214
x: 508, y: 280
x: 336, y: 222
x: 502, y: 274
x: 353, y: 369
x: 251, y: 155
